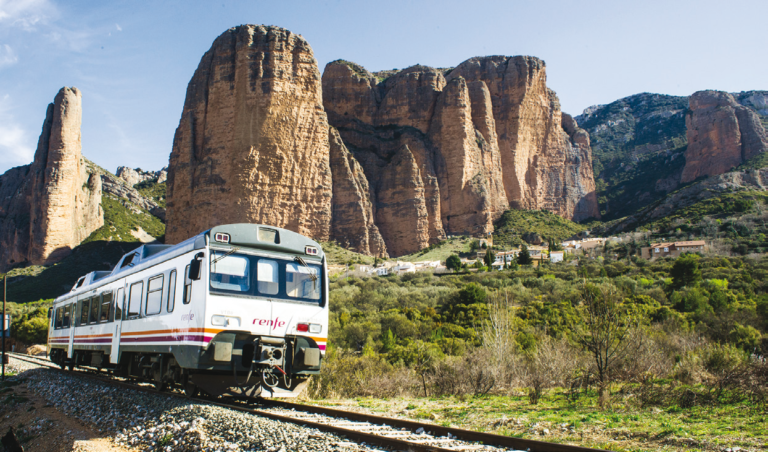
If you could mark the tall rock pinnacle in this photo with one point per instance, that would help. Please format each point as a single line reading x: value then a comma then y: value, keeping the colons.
x: 252, y: 144
x: 50, y: 206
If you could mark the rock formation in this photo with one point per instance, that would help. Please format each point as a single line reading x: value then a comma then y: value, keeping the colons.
x: 722, y: 134
x: 451, y: 153
x: 353, y: 224
x: 252, y: 144
x: 50, y: 206
x: 136, y: 176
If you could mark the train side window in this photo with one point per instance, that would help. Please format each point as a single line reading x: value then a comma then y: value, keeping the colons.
x: 134, y: 298
x: 154, y: 295
x: 67, y: 316
x: 94, y: 317
x: 85, y: 307
x: 187, y: 287
x: 59, y: 318
x: 171, y: 291
x: 106, y: 305
x: 119, y: 304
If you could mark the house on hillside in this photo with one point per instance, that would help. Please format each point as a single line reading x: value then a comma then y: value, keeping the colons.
x: 672, y: 249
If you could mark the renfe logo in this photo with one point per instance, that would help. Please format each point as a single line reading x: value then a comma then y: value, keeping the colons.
x: 273, y: 323
x: 188, y: 317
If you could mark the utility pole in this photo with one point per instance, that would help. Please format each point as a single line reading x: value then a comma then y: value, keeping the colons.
x: 5, y: 285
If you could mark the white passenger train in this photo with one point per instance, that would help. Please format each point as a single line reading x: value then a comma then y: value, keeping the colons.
x: 240, y: 309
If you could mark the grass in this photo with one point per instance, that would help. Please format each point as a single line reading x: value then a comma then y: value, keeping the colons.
x: 623, y: 427
x: 441, y: 251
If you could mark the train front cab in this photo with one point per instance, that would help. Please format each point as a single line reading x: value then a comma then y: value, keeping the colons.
x: 266, y: 313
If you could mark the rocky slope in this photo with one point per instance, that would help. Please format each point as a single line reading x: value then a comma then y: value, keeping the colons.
x: 136, y: 176
x: 50, y: 206
x: 449, y: 153
x: 722, y: 134
x: 639, y: 146
x: 252, y: 144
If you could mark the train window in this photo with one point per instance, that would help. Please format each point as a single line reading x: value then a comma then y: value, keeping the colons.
x: 187, y: 287
x: 302, y: 281
x: 267, y: 277
x: 134, y: 299
x: 231, y: 272
x: 171, y: 291
x: 154, y: 295
x: 66, y: 316
x: 95, y: 305
x: 80, y: 282
x: 85, y: 306
x: 119, y: 304
x: 59, y: 318
x: 106, y: 306
x: 268, y: 235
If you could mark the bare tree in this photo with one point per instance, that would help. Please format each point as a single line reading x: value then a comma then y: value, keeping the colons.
x: 498, y: 336
x: 606, y: 326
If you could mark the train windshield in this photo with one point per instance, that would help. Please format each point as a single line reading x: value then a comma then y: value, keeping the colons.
x: 260, y: 276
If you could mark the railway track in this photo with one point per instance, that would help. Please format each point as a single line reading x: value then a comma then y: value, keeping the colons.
x: 394, y: 434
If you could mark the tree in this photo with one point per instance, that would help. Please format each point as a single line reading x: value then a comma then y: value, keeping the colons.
x: 524, y: 257
x: 605, y: 326
x: 685, y: 271
x: 489, y: 258
x: 472, y: 293
x: 453, y: 262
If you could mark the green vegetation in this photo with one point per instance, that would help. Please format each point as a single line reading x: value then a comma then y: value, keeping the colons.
x: 568, y: 343
x: 152, y: 190
x: 514, y: 224
x: 458, y: 245
x: 122, y: 220
x: 736, y: 222
x: 338, y: 255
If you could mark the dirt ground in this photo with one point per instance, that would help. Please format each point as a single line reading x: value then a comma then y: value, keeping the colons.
x: 40, y: 427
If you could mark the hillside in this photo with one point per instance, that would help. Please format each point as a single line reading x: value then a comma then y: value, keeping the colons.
x: 515, y: 224
x: 638, y: 147
x: 126, y: 226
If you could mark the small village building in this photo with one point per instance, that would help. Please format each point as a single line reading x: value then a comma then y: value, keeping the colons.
x: 672, y: 249
x: 556, y: 256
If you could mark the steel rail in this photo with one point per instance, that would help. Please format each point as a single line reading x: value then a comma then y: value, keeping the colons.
x: 487, y: 439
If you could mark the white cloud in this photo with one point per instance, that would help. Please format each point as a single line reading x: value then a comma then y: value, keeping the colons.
x: 7, y: 56
x: 15, y: 143
x: 119, y: 28
x: 25, y: 13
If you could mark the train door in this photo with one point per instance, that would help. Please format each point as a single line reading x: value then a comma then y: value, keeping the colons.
x: 71, y: 347
x: 118, y: 313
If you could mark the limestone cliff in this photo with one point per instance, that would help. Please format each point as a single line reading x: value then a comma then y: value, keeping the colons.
x: 252, y: 143
x: 464, y: 147
x: 50, y: 206
x: 353, y: 224
x: 721, y: 135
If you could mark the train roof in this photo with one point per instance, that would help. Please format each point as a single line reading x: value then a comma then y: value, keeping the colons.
x: 223, y: 236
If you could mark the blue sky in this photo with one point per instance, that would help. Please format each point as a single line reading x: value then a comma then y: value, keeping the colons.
x: 133, y: 60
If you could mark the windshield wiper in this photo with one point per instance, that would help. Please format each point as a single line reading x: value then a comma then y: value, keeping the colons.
x: 228, y: 253
x: 312, y: 274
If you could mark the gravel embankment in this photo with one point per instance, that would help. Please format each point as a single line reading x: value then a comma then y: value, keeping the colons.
x: 160, y: 423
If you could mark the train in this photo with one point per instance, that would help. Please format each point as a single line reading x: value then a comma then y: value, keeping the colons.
x: 238, y: 310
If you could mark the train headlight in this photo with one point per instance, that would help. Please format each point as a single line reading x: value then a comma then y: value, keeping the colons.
x: 309, y: 327
x: 223, y: 320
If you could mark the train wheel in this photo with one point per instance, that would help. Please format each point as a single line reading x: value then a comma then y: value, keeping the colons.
x: 160, y: 385
x: 191, y: 390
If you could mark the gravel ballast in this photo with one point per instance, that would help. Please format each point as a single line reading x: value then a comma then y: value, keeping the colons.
x: 158, y: 422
